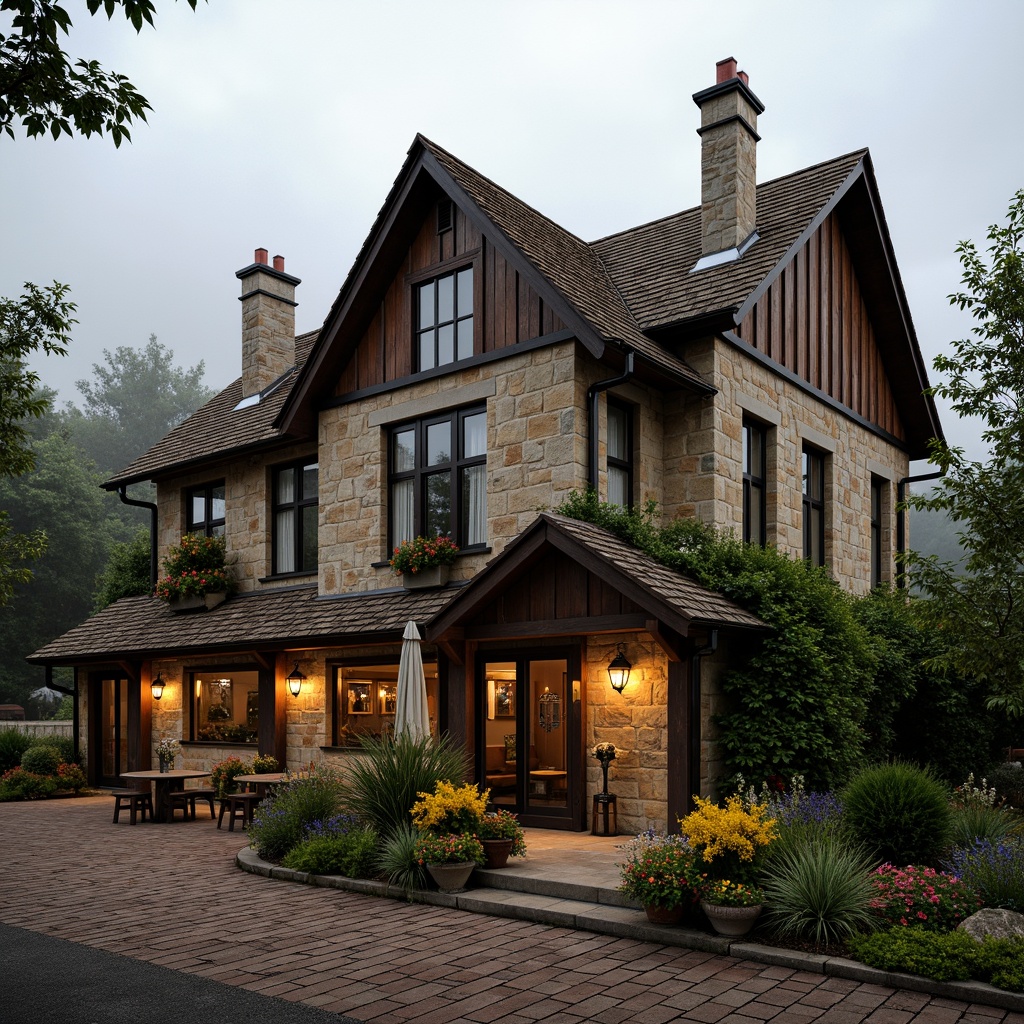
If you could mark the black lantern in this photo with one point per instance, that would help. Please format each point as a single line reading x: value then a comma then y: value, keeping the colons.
x: 295, y: 680
x: 618, y: 670
x: 157, y: 687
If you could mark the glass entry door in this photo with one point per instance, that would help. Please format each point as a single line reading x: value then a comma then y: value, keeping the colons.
x: 113, y: 730
x: 529, y: 734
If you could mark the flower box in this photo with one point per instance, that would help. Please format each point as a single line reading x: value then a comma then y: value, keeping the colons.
x: 196, y: 602
x: 432, y: 576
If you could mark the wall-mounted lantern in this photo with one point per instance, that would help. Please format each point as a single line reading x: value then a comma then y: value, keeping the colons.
x: 295, y: 679
x: 618, y: 670
x: 157, y: 687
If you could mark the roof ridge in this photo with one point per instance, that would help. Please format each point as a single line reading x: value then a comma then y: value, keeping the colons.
x: 860, y: 153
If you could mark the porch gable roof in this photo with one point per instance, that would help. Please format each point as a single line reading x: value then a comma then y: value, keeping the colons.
x: 665, y: 595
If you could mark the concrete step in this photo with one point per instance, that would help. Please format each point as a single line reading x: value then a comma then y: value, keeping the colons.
x: 575, y: 882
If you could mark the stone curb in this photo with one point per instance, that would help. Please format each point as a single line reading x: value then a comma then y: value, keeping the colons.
x: 622, y: 922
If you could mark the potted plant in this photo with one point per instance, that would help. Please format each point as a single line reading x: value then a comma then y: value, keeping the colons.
x: 731, y: 842
x: 166, y: 751
x: 424, y: 561
x: 502, y: 837
x: 661, y: 873
x: 265, y: 764
x: 196, y: 577
x: 224, y: 773
x: 449, y: 857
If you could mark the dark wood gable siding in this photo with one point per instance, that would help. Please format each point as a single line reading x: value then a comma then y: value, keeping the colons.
x: 557, y: 587
x: 813, y: 320
x: 507, y: 310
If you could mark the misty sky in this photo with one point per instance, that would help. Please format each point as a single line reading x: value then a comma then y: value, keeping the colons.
x: 284, y: 124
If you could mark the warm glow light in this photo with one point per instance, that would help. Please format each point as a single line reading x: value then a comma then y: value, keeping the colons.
x: 294, y: 680
x: 618, y: 670
x: 157, y: 687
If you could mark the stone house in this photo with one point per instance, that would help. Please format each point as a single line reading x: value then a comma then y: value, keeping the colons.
x: 750, y: 361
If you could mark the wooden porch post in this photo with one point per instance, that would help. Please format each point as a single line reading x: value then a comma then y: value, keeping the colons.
x: 680, y: 761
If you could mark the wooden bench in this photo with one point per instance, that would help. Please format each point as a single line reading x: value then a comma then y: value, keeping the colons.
x: 137, y: 801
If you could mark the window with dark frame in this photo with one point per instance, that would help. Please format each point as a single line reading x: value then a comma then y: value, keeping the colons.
x: 877, y: 491
x: 814, y: 506
x: 620, y: 454
x: 225, y: 706
x: 362, y: 701
x: 205, y: 509
x: 437, y: 478
x: 755, y: 446
x: 295, y: 507
x: 444, y: 319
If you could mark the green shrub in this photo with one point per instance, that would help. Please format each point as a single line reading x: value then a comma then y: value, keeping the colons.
x: 70, y: 776
x: 1007, y: 779
x: 944, y: 956
x: 799, y: 703
x: 994, y: 869
x: 41, y: 760
x: 353, y: 855
x: 382, y: 786
x: 819, y: 891
x: 19, y: 784
x: 974, y: 822
x: 65, y: 746
x: 397, y: 858
x: 899, y: 813
x: 280, y: 822
x: 12, y: 745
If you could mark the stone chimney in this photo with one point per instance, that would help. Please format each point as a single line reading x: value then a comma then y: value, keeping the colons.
x: 728, y: 162
x: 268, y: 322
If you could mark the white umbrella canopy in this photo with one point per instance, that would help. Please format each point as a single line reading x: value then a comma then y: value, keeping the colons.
x: 411, y: 715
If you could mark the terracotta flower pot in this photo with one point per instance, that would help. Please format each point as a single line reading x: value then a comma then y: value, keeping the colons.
x: 497, y: 852
x: 451, y: 877
x: 732, y: 922
x: 664, y: 915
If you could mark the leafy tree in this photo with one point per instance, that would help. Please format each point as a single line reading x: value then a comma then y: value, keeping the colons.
x: 132, y: 401
x: 127, y: 571
x: 63, y: 493
x: 40, y: 320
x: 40, y: 86
x: 982, y: 612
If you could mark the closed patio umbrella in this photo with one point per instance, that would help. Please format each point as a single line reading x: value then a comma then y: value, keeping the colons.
x: 411, y: 715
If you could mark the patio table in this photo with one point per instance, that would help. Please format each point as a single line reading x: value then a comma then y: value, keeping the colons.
x: 162, y: 784
x: 263, y: 782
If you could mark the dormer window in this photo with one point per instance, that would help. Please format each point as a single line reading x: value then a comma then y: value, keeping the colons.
x: 444, y: 319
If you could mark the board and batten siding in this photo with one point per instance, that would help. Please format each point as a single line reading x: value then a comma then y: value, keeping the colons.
x: 813, y: 320
x: 506, y: 309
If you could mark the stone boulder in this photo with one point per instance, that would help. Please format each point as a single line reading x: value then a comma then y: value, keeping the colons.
x: 1000, y: 924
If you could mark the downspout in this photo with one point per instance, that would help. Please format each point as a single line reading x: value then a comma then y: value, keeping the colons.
x: 901, y: 518
x: 593, y: 414
x: 122, y: 493
x: 695, y: 698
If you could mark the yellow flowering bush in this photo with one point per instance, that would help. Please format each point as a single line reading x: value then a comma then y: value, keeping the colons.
x: 450, y: 809
x: 728, y: 838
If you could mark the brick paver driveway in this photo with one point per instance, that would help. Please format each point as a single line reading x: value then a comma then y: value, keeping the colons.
x: 169, y: 894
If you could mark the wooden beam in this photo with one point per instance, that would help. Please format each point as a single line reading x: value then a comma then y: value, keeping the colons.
x: 130, y: 669
x: 265, y: 661
x: 577, y: 626
x: 453, y: 643
x: 667, y: 639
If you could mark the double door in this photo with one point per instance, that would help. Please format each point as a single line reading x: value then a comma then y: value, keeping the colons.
x: 528, y: 737
x: 109, y: 712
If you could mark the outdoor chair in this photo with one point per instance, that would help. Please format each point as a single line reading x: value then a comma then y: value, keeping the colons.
x: 186, y: 800
x: 239, y: 806
x: 137, y: 801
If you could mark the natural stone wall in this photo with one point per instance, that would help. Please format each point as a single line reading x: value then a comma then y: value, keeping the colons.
x: 247, y: 516
x: 636, y: 721
x: 704, y: 468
